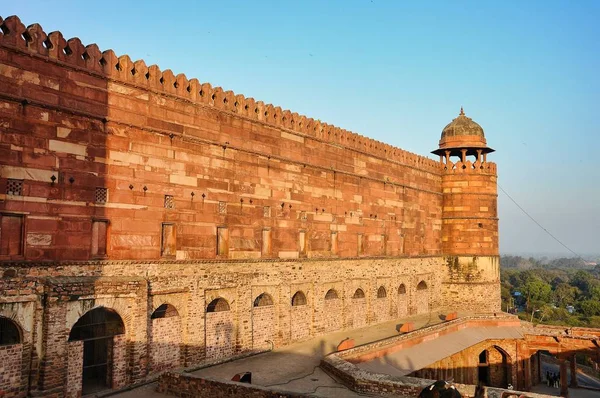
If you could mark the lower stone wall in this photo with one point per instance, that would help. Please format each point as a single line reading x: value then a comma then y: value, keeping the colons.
x: 366, y: 382
x: 358, y: 311
x: 474, y: 282
x: 10, y: 371
x: 187, y: 385
x: 120, y: 378
x: 402, y: 305
x: 264, y: 327
x: 165, y: 343
x: 73, y: 387
x: 332, y: 315
x: 300, y: 322
x: 381, y: 308
x: 220, y: 335
x: 70, y: 290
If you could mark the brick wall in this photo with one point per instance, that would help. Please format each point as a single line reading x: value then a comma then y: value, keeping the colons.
x: 402, y: 304
x: 10, y: 370
x: 422, y: 301
x: 73, y: 386
x: 165, y: 343
x: 301, y: 320
x: 331, y: 315
x: 119, y: 374
x: 220, y: 335
x: 359, y: 312
x: 264, y: 327
x: 381, y: 308
x: 185, y: 385
x: 498, y: 368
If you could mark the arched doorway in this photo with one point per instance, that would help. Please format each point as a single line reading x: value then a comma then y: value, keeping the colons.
x: 358, y: 308
x: 263, y: 321
x: 493, y: 367
x: 220, y: 337
x: 300, y: 317
x: 96, y: 330
x: 9, y: 332
x: 165, y: 338
x: 332, y: 311
x: 402, y: 301
x: 422, y: 298
x: 12, y: 376
x: 381, y: 306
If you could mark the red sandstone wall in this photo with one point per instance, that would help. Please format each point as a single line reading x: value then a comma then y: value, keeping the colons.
x: 97, y: 121
x: 470, y: 219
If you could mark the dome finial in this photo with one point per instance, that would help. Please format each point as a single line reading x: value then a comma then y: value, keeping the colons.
x: 462, y: 112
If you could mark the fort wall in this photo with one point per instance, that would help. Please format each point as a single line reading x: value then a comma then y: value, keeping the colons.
x: 126, y: 187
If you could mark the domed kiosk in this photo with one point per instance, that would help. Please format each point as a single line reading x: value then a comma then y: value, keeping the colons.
x: 463, y: 137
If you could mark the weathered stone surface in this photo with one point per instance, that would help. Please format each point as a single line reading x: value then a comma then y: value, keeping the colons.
x: 261, y: 201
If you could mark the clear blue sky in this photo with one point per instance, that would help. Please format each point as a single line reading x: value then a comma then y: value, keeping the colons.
x: 398, y: 71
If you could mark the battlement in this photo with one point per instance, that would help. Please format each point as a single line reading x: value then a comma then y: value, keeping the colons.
x: 53, y: 46
x: 469, y: 167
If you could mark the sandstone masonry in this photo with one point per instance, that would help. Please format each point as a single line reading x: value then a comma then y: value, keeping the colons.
x: 171, y: 222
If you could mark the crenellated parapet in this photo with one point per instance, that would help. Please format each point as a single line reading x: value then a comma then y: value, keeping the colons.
x: 53, y: 46
x: 469, y: 167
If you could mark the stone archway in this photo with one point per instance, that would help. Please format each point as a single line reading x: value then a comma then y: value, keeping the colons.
x: 220, y: 336
x: 263, y: 322
x: 96, y: 352
x: 402, y: 301
x: 10, y: 332
x: 300, y: 316
x: 422, y: 298
x: 382, y: 305
x: 358, y: 308
x: 494, y: 367
x: 165, y: 338
x: 11, y: 355
x: 332, y: 311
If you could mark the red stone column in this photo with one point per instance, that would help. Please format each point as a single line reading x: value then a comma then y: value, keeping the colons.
x: 539, y: 367
x: 564, y: 387
x: 527, y: 366
x: 573, y: 372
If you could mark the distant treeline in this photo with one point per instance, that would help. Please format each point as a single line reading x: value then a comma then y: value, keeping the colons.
x: 544, y: 262
x: 561, y: 291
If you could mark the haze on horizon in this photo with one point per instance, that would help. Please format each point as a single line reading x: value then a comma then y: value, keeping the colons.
x: 398, y: 72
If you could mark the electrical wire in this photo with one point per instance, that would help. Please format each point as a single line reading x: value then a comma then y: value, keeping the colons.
x: 537, y: 223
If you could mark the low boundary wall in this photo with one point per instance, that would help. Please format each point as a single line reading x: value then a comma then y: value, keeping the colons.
x: 188, y: 385
x: 341, y: 364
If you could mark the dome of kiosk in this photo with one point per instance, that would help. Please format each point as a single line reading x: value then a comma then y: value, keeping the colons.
x: 462, y: 133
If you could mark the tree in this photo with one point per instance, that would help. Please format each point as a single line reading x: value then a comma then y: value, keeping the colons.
x: 537, y: 290
x: 564, y: 294
x: 589, y: 307
x: 583, y: 281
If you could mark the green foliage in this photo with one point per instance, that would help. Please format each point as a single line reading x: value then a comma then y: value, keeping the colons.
x: 564, y: 294
x: 589, y: 308
x: 546, y: 290
x: 536, y: 290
